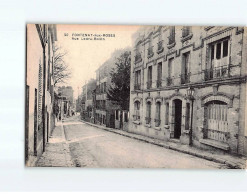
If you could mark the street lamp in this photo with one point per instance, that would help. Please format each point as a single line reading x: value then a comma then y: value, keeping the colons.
x: 190, y: 95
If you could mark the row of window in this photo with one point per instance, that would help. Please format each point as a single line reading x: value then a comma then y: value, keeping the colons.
x: 217, y: 67
x: 157, y: 117
x: 101, y: 88
x: 186, y: 31
x: 101, y: 104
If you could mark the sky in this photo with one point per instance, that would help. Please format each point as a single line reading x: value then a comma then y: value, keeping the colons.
x: 84, y: 57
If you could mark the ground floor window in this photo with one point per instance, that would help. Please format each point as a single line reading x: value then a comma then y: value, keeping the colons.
x: 157, y: 117
x: 148, y: 113
x: 167, y: 114
x: 217, y: 123
x: 136, y: 115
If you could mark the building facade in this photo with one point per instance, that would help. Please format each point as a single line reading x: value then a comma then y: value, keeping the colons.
x: 87, y: 100
x: 40, y: 119
x: 188, y: 85
x: 68, y: 92
x: 105, y: 109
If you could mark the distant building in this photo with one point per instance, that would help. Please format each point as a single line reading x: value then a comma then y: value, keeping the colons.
x: 68, y: 92
x: 87, y: 100
x: 188, y: 84
x: 39, y: 119
x: 105, y: 109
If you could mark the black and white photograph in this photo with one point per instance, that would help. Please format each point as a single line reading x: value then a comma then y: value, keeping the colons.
x: 126, y: 96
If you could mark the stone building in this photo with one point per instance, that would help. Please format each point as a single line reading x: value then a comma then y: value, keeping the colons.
x: 39, y: 119
x: 105, y: 109
x: 188, y: 85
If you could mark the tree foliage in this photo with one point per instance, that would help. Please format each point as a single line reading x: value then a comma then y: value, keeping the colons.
x: 119, y: 91
x: 61, y: 71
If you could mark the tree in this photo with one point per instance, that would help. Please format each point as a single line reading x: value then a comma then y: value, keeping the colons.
x: 119, y: 91
x: 61, y: 71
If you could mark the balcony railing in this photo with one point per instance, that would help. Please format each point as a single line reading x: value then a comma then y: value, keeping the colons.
x: 216, y: 73
x: 185, y: 78
x: 171, y: 39
x: 138, y: 58
x: 149, y: 84
x: 186, y: 31
x: 169, y: 81
x: 150, y: 52
x: 159, y: 83
x: 137, y: 86
x: 148, y: 120
x: 157, y: 122
x: 160, y: 47
x: 217, y: 135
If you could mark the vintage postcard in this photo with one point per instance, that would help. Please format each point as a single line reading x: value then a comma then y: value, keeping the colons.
x: 119, y: 96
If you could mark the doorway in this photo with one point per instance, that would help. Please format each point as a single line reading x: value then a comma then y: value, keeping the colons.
x: 177, y: 118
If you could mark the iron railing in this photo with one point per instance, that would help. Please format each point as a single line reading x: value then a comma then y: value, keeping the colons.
x: 169, y: 81
x: 214, y: 73
x: 148, y: 120
x: 157, y: 122
x: 160, y: 47
x: 185, y: 78
x: 138, y: 58
x: 150, y: 52
x: 149, y: 84
x: 137, y: 86
x: 159, y: 83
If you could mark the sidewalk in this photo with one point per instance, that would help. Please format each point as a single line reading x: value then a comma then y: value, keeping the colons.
x: 57, y: 152
x: 233, y: 162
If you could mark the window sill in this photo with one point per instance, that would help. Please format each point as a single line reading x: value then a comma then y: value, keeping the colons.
x: 137, y: 122
x: 216, y: 144
x: 188, y: 37
x: 160, y: 51
x: 187, y: 131
x: 147, y: 125
x: 169, y: 46
x: 157, y: 128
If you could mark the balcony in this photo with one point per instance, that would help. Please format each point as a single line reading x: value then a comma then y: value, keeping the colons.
x: 150, y: 52
x: 171, y: 39
x: 137, y: 87
x: 186, y: 33
x: 216, y: 73
x: 169, y: 81
x: 148, y: 120
x: 149, y: 84
x: 159, y: 83
x: 157, y: 122
x: 185, y: 78
x: 160, y: 47
x: 138, y: 58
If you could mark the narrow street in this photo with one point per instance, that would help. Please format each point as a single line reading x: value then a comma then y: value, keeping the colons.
x: 89, y: 146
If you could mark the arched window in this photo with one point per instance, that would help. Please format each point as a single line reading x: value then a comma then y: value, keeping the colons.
x: 136, y: 115
x: 157, y: 118
x: 216, y: 117
x: 148, y: 113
